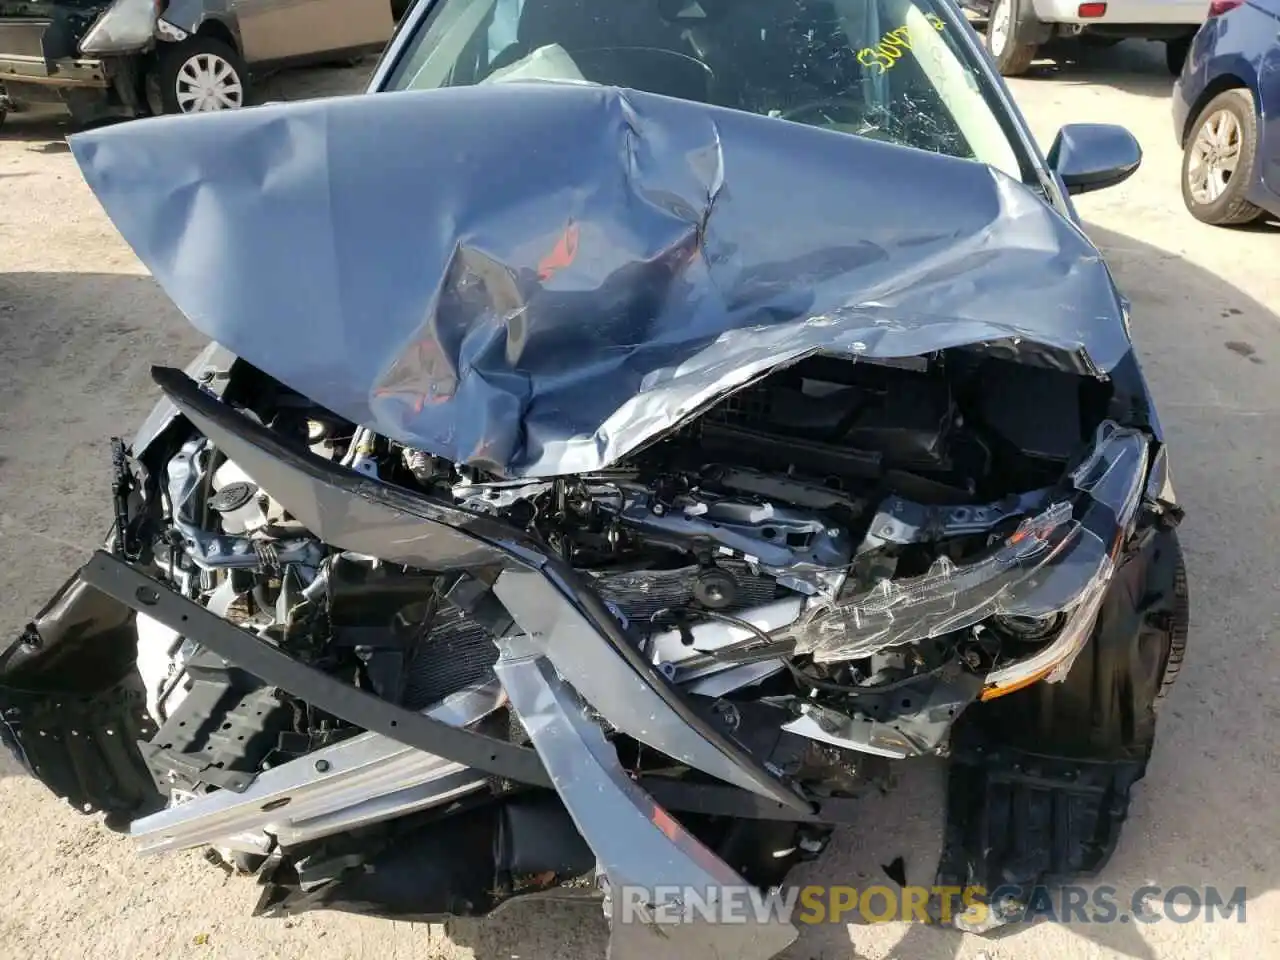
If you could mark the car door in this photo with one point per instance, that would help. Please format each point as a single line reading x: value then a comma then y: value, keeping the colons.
x: 1269, y: 102
x: 275, y: 30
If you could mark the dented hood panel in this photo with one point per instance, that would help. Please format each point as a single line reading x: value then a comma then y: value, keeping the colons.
x: 537, y: 278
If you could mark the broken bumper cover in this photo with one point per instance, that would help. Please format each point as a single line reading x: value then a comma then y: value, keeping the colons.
x: 561, y: 654
x: 638, y: 843
x: 36, y: 51
x: 1086, y: 769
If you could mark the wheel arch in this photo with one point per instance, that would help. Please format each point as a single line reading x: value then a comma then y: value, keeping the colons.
x: 208, y: 18
x: 1221, y: 83
x: 213, y: 30
x: 218, y: 29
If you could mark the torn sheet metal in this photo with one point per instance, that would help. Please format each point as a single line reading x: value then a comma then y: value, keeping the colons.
x: 647, y: 858
x: 630, y: 701
x: 537, y: 278
x: 365, y: 779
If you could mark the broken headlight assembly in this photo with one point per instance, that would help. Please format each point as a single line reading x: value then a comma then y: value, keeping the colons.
x: 1045, y: 581
x: 124, y: 27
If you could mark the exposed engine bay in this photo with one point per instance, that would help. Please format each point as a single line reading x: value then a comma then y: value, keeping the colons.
x: 836, y: 562
x: 721, y: 549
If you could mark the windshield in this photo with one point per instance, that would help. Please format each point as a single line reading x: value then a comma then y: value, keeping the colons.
x: 888, y: 69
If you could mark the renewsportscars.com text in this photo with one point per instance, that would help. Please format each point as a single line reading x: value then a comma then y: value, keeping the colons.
x: 971, y: 906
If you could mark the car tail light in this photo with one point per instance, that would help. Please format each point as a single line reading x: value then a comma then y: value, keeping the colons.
x: 1090, y: 10
x: 1218, y: 7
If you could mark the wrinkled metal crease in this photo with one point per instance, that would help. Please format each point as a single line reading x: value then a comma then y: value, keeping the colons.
x: 545, y: 292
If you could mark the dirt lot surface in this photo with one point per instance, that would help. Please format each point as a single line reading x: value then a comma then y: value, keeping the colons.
x: 80, y: 321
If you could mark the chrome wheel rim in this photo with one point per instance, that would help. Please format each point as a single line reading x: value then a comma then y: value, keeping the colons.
x: 208, y: 82
x: 1001, y: 16
x: 1215, y: 154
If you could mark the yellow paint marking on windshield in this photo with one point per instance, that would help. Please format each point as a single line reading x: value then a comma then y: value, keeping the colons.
x: 890, y: 47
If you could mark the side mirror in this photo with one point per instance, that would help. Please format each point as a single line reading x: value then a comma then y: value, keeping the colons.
x: 1092, y: 156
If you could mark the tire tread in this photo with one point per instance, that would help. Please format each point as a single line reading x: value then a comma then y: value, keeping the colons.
x: 1178, y: 630
x: 1016, y: 58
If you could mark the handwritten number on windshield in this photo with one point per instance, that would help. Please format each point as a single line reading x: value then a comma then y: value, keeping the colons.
x: 891, y: 46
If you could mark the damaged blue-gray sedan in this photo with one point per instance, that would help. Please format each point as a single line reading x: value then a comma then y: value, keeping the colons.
x: 627, y: 433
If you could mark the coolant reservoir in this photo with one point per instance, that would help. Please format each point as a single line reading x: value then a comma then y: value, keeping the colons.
x: 237, y: 500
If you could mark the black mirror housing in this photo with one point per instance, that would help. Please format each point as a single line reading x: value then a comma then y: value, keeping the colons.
x: 1093, y: 156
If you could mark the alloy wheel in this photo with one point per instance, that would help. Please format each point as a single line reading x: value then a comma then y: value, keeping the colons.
x: 1215, y: 153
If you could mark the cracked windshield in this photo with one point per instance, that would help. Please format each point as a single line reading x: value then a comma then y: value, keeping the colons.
x: 885, y: 69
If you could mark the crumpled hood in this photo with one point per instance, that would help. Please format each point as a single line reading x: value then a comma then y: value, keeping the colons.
x: 537, y: 278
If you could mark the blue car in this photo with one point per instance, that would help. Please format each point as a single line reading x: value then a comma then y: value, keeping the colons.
x: 1225, y: 105
x: 679, y: 410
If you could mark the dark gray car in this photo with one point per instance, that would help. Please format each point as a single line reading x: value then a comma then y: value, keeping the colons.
x: 137, y: 57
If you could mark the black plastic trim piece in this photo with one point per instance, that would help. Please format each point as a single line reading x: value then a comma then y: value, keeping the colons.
x: 136, y: 590
x: 1017, y: 820
x: 83, y: 747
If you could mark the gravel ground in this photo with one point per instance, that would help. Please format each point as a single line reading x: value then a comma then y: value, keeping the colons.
x: 80, y: 321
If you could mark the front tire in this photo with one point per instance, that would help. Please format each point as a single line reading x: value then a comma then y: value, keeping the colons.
x: 201, y: 75
x: 1012, y: 58
x: 1218, y: 161
x: 1179, y: 627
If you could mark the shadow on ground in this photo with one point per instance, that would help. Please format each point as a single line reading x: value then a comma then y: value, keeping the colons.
x: 44, y: 130
x: 74, y: 352
x: 1135, y: 66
